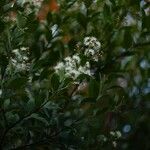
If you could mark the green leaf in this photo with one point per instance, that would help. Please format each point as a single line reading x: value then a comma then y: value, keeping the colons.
x: 6, y: 104
x: 93, y: 88
x: 128, y: 40
x: 55, y: 82
x: 88, y: 100
x: 145, y: 22
x: 17, y: 82
x: 2, y: 26
x: 8, y: 6
x: 88, y: 3
x: 21, y: 20
x: 37, y: 117
x: 31, y: 102
x: 82, y: 19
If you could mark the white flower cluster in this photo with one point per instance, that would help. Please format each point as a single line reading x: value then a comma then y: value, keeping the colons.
x: 37, y: 3
x: 116, y: 134
x: 92, y: 42
x: 72, y: 67
x: 19, y: 60
x: 29, y: 3
x: 92, y: 46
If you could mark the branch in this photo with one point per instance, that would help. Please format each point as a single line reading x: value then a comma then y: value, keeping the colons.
x: 47, y: 140
x: 41, y: 142
x: 141, y: 44
x: 70, y: 96
x: 20, y: 120
x: 5, y: 119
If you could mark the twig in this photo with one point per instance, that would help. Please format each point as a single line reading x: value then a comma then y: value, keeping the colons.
x: 70, y: 96
x: 20, y: 120
x: 141, y: 44
x: 47, y: 140
x: 5, y: 119
x: 75, y: 88
x: 41, y: 142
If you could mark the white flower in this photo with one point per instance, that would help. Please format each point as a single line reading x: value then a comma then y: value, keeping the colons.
x: 67, y: 59
x: 14, y: 61
x: 88, y: 72
x: 71, y: 64
x: 89, y: 52
x: 19, y: 59
x: 59, y: 66
x: 15, y: 51
x: 38, y: 3
x: 118, y: 133
x: 87, y: 64
x: 92, y: 47
x: 68, y: 68
x: 76, y: 58
x: 25, y: 58
x: 72, y: 68
x: 73, y: 73
x: 92, y: 42
x: 97, y: 45
x: 72, y: 61
x: 86, y: 41
x: 21, y: 66
x: 81, y: 69
x: 85, y: 69
x: 24, y: 48
x: 114, y: 143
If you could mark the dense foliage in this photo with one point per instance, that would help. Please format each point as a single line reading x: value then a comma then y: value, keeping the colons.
x: 74, y: 74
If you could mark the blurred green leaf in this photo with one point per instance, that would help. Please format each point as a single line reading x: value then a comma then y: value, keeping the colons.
x: 17, y: 82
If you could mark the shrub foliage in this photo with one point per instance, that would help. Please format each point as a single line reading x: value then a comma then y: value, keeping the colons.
x: 74, y: 74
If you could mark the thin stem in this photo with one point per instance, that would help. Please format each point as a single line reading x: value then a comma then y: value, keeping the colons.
x: 70, y: 96
x: 20, y: 120
x: 47, y: 140
x: 141, y: 44
x: 40, y: 142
